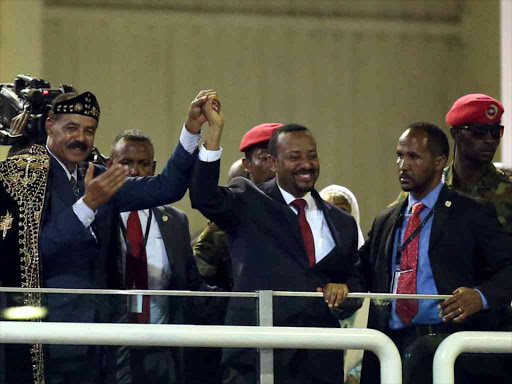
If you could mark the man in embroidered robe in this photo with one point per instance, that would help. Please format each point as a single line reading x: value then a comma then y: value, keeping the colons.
x: 64, y: 232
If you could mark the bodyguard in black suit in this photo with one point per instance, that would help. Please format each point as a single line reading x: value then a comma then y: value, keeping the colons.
x: 463, y: 251
x: 269, y: 252
x: 168, y: 263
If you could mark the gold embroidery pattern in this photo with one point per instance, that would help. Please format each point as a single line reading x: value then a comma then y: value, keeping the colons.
x: 5, y: 224
x: 25, y: 179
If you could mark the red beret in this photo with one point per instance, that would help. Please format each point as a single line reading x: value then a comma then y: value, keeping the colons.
x: 475, y: 108
x: 258, y: 134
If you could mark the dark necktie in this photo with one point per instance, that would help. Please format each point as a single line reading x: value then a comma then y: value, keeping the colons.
x: 76, y: 191
x: 407, y: 309
x: 137, y: 264
x: 305, y: 229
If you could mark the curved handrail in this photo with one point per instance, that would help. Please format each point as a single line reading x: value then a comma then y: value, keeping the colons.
x: 209, y: 336
x: 459, y: 342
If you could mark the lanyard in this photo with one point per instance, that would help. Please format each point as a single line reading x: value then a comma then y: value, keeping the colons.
x: 411, y: 237
x: 146, y: 234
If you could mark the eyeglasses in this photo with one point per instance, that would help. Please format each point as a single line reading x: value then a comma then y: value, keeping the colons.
x: 479, y: 131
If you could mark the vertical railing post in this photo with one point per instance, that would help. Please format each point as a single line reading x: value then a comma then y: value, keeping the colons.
x: 460, y: 342
x: 265, y: 317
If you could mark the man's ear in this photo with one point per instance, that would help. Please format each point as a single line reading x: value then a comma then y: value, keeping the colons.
x: 247, y: 165
x: 153, y: 168
x: 440, y: 162
x: 272, y: 163
x: 109, y: 162
x: 454, y: 133
x: 48, y: 124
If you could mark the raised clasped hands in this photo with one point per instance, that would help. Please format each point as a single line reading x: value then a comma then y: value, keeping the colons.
x: 196, y: 114
x: 99, y: 190
x: 212, y: 109
x: 464, y: 303
x: 334, y: 293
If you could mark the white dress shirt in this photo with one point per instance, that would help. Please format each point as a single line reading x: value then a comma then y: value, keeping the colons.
x: 159, y: 270
x: 322, y: 236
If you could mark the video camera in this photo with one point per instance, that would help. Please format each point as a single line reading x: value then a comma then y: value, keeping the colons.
x: 27, y: 94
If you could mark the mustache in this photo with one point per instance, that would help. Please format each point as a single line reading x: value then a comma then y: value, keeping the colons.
x: 78, y: 145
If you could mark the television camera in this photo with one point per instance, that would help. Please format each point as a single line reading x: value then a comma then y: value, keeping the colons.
x: 34, y: 96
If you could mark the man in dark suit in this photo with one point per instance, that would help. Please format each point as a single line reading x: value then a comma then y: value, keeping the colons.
x: 436, y: 241
x: 273, y: 247
x: 211, y: 249
x: 65, y: 232
x: 164, y: 262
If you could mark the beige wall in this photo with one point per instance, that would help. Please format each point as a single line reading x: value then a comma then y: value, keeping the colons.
x: 481, y: 40
x: 506, y: 77
x: 20, y: 41
x: 21, y: 31
x: 355, y: 72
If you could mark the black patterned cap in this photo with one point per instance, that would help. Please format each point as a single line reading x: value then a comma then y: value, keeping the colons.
x: 83, y: 104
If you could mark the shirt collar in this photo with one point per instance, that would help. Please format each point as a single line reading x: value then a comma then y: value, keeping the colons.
x: 144, y: 212
x: 429, y: 201
x: 288, y: 198
x: 69, y: 174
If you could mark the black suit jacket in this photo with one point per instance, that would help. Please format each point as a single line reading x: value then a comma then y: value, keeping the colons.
x: 184, y: 273
x: 174, y: 228
x: 72, y: 257
x: 267, y: 247
x: 176, y: 238
x: 268, y: 253
x: 467, y: 248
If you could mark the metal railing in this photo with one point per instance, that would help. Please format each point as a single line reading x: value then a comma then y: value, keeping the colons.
x: 454, y: 345
x: 265, y: 336
x: 209, y: 336
x: 154, y: 292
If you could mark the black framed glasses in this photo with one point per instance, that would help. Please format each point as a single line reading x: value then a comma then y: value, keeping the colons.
x: 479, y: 131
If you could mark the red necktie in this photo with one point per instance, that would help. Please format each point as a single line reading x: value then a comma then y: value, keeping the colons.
x: 407, y: 309
x: 305, y: 230
x: 137, y: 264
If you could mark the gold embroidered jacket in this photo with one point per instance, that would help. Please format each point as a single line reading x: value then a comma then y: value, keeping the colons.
x: 23, y: 182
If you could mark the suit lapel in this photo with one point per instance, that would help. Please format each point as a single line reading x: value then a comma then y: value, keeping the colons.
x: 272, y: 190
x: 60, y: 184
x: 164, y: 219
x: 443, y: 208
x: 327, y: 211
x: 392, y: 225
x: 81, y: 178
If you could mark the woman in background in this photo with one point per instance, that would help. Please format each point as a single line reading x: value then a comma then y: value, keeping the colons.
x: 344, y: 199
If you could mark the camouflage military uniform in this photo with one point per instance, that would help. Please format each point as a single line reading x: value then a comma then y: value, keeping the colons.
x: 494, y: 186
x: 213, y: 259
x: 211, y: 251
